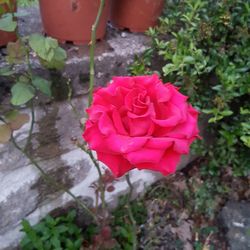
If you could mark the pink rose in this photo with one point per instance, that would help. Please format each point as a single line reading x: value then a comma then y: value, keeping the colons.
x: 139, y: 122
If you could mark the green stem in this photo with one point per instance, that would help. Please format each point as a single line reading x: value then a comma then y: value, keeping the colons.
x: 101, y: 184
x: 29, y: 65
x: 92, y: 51
x: 76, y: 113
x: 31, y: 125
x: 91, y: 87
x: 130, y: 212
x: 30, y: 73
x: 52, y: 181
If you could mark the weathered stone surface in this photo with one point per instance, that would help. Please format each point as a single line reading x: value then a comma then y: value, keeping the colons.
x: 236, y: 220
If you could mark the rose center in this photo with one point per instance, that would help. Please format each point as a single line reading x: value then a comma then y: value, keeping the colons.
x: 140, y: 103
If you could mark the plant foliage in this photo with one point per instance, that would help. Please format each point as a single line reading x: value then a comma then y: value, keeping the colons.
x: 59, y: 233
x: 205, y: 48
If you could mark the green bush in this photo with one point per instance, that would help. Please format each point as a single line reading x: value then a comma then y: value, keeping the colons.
x: 205, y: 48
x: 59, y: 233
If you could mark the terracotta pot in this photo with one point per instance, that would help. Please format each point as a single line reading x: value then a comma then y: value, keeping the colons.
x: 71, y: 20
x: 6, y: 37
x: 136, y: 15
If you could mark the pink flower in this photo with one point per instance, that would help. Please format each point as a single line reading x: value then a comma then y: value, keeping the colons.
x: 139, y: 122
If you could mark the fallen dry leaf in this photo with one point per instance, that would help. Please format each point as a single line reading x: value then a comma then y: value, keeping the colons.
x: 5, y: 133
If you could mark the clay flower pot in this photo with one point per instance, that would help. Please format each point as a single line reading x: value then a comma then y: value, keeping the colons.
x: 6, y: 37
x: 71, y: 20
x: 135, y: 15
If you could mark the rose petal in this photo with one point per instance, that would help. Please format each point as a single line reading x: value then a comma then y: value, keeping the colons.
x: 106, y: 125
x: 117, y: 121
x: 172, y: 120
x: 118, y: 165
x: 167, y: 164
x: 96, y: 111
x: 163, y: 93
x: 113, y: 144
x: 150, y: 112
x: 140, y: 126
x: 159, y: 143
x: 188, y: 129
x: 145, y: 155
x: 129, y: 98
x: 147, y: 81
x: 181, y: 146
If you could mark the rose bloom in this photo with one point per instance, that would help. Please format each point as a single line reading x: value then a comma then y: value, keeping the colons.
x: 139, y: 122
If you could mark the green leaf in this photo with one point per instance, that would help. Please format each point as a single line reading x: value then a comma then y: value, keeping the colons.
x: 58, y: 60
x: 6, y: 71
x: 246, y: 140
x: 168, y: 68
x: 71, y: 216
x: 21, y: 93
x: 43, y: 85
x: 47, y: 49
x: 188, y: 59
x: 215, y: 119
x: 207, y: 111
x: 43, y: 46
x: 56, y: 243
x: 31, y: 234
x: 78, y: 243
x: 244, y: 111
x: 226, y: 113
x: 7, y: 23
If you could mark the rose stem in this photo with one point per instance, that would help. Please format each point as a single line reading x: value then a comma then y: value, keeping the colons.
x: 92, y: 51
x: 130, y: 213
x: 52, y: 181
x: 91, y: 87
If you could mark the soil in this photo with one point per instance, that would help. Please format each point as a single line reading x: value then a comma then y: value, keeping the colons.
x: 184, y: 210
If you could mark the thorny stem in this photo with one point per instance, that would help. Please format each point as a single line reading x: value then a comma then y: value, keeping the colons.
x: 92, y: 51
x: 31, y: 103
x: 101, y: 184
x: 51, y: 180
x: 130, y: 213
x: 29, y: 65
x: 91, y: 87
x: 31, y: 125
x: 77, y: 115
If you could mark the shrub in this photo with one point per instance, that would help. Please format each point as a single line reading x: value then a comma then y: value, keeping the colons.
x: 205, y: 47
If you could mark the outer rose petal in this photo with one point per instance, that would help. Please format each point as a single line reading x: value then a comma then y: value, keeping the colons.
x: 167, y: 164
x: 118, y: 165
x: 145, y: 155
x: 172, y: 120
x: 163, y: 93
x: 187, y: 129
x: 121, y: 81
x: 113, y: 144
x: 147, y: 81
